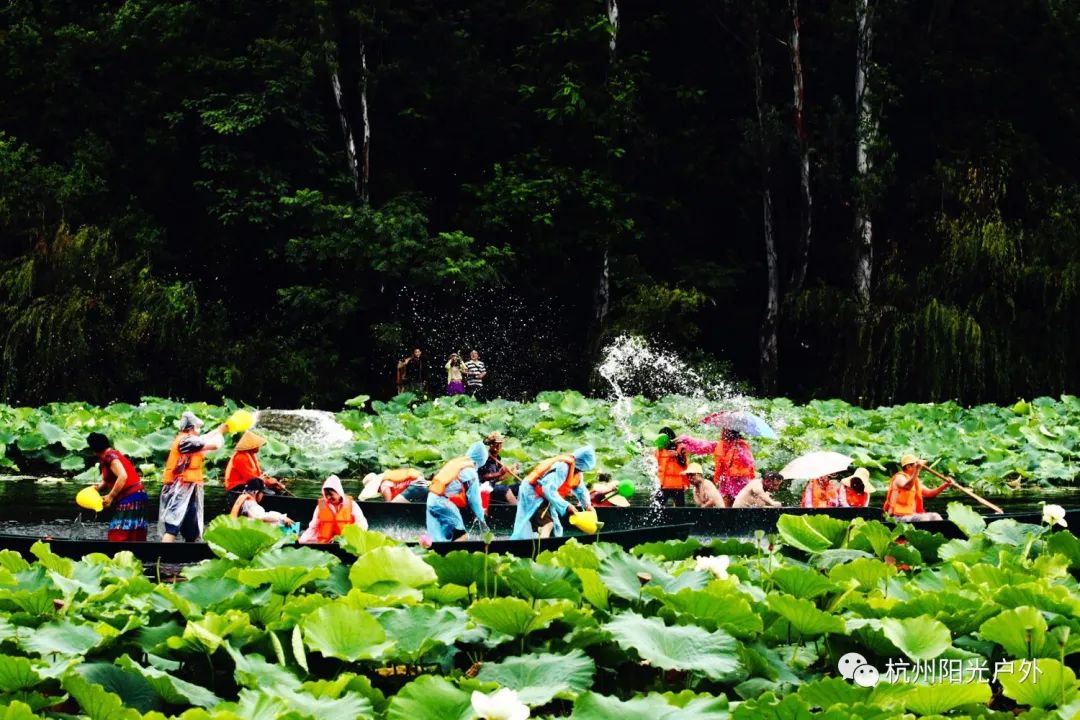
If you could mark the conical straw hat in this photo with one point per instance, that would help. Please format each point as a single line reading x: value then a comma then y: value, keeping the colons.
x: 250, y: 441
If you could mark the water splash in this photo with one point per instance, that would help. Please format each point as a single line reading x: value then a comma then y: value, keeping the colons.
x: 315, y: 429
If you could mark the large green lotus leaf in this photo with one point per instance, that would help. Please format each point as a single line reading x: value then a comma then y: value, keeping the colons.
x: 347, y: 683
x: 1039, y: 595
x: 592, y: 587
x: 802, y: 582
x: 253, y: 671
x: 540, y: 582
x: 133, y: 448
x: 1021, y: 632
x: 390, y: 567
x: 169, y: 688
x: 31, y: 442
x: 96, y: 702
x: 48, y: 559
x: 282, y: 580
x: 677, y: 648
x: 417, y: 630
x: 715, y: 607
x: 61, y: 637
x: 867, y: 573
x: 941, y: 698
x: 920, y: 638
x: 827, y: 692
x: 811, y: 533
x: 16, y: 673
x: 540, y: 677
x: 207, y: 593
x: 304, y: 557
x: 1010, y: 532
x: 1067, y: 544
x: 337, y: 630
x: 804, y: 617
x: 1047, y: 684
x: 874, y: 536
x: 964, y: 517
x: 463, y: 568
x: 624, y: 573
x: 514, y: 617
x: 572, y: 554
x: 13, y: 561
x: 132, y: 687
x: 654, y: 706
x: 430, y: 698
x: 301, y: 704
x: 829, y: 559
x: 210, y: 632
x: 16, y: 710
x: 669, y: 549
x: 153, y: 638
x: 240, y: 537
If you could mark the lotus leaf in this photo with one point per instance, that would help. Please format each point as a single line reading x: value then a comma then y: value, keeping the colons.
x: 540, y: 677
x: 1021, y: 632
x: 16, y: 710
x: 282, y: 580
x: 430, y: 698
x: 16, y: 674
x: 827, y: 692
x: 920, y: 638
x: 1047, y: 684
x: 654, y: 706
x: 240, y: 537
x: 61, y: 637
x: 417, y: 630
x: 811, y: 533
x: 803, y: 583
x: 130, y: 686
x: 593, y: 587
x: 462, y: 568
x: 718, y: 606
x: 514, y: 617
x: 97, y: 702
x: 384, y: 569
x: 168, y: 687
x: 540, y: 582
x: 337, y: 630
x: 677, y: 648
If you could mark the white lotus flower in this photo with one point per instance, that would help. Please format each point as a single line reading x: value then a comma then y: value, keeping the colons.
x: 367, y: 425
x: 1054, y: 515
x: 436, y: 402
x: 503, y: 704
x: 544, y: 407
x: 717, y: 565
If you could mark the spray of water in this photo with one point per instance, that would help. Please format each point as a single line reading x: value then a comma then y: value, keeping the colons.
x: 315, y: 429
x: 632, y: 365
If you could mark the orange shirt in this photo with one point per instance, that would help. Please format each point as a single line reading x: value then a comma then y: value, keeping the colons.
x: 670, y: 471
x: 901, y: 501
x: 243, y: 466
x: 821, y: 494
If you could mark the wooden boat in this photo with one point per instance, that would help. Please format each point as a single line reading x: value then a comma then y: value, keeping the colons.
x: 705, y: 522
x: 182, y: 553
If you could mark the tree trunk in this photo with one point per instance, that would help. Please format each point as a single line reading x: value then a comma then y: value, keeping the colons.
x: 613, y: 21
x: 769, y: 359
x: 351, y: 155
x: 365, y: 151
x: 802, y: 254
x: 866, y: 129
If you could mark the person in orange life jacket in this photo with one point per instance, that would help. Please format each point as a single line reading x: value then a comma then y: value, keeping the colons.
x: 732, y: 459
x: 181, y: 511
x: 334, y: 511
x: 123, y: 491
x: 757, y: 492
x: 497, y: 474
x: 244, y: 464
x: 454, y: 487
x: 856, y: 489
x: 249, y: 504
x: 821, y: 492
x: 904, y: 498
x: 705, y: 493
x: 400, y: 485
x: 542, y: 499
x: 671, y: 461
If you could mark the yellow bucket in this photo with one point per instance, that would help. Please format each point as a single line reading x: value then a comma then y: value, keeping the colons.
x: 239, y: 421
x: 586, y: 522
x: 90, y: 499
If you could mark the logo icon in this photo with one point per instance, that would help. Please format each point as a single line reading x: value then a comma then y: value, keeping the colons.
x: 853, y: 667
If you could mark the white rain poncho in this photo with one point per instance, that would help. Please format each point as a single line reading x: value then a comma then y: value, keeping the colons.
x: 175, y: 499
x: 529, y: 503
x: 443, y: 516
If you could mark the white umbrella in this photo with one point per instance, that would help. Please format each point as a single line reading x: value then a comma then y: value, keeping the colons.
x: 815, y: 465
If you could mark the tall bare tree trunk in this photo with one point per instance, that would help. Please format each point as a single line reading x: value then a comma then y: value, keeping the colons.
x: 768, y: 356
x: 802, y: 254
x: 602, y: 304
x: 866, y: 130
x: 365, y: 151
x: 613, y: 20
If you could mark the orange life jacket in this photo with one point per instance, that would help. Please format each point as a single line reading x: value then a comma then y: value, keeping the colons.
x: 732, y: 459
x: 670, y: 470
x: 238, y: 506
x: 185, y: 468
x: 817, y: 495
x: 449, y: 474
x: 329, y: 522
x: 243, y: 466
x: 573, y: 478
x: 902, y: 501
x: 856, y: 499
x: 400, y: 479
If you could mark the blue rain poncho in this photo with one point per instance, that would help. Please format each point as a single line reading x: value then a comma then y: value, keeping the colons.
x: 529, y: 502
x: 443, y: 516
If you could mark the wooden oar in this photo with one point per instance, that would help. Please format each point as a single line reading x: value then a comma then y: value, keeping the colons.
x: 963, y: 489
x: 504, y: 467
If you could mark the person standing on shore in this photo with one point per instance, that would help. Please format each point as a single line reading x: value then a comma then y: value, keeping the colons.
x: 411, y: 374
x: 475, y: 373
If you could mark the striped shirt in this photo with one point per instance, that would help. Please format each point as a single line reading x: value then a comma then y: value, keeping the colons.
x: 474, y: 367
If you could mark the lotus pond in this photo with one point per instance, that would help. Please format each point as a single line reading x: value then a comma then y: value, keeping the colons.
x: 675, y: 630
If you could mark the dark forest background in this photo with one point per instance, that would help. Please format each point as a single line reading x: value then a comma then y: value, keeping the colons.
x: 871, y: 199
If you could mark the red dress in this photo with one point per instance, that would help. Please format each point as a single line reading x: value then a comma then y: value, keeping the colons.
x: 734, y: 466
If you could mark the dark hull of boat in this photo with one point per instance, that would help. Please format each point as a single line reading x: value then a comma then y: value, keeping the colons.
x: 705, y: 522
x: 187, y: 553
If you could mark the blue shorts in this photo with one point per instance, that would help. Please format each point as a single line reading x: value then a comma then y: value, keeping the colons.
x: 415, y: 493
x: 189, y: 526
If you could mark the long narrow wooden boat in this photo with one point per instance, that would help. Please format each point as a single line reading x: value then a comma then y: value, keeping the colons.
x: 706, y: 522
x: 182, y: 553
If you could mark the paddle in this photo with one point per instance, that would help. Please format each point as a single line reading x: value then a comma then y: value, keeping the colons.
x: 963, y: 489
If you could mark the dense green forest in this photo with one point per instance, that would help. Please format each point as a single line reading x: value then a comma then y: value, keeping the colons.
x: 869, y: 199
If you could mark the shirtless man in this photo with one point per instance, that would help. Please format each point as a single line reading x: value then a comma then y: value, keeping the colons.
x: 756, y: 493
x: 705, y: 492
